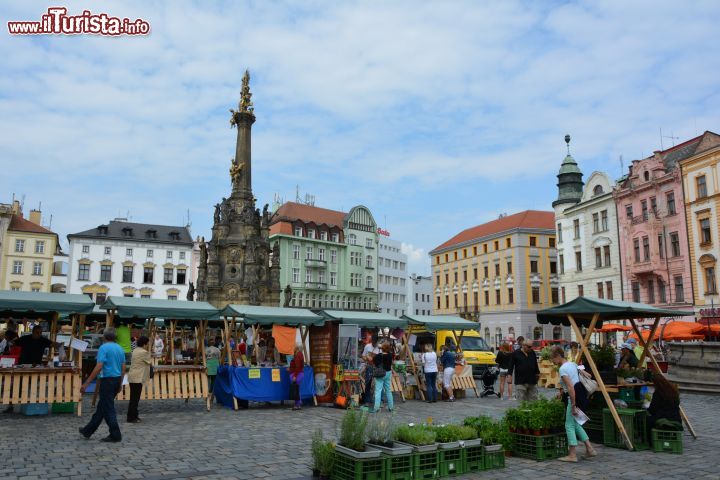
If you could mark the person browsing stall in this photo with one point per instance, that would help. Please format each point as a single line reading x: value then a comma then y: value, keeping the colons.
x: 504, y: 361
x: 447, y: 359
x: 430, y: 367
x: 297, y: 372
x: 525, y: 367
x: 383, y: 363
x: 665, y: 404
x: 138, y: 375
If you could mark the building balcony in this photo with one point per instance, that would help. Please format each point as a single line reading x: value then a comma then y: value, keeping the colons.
x: 369, y: 289
x: 314, y: 263
x: 316, y: 285
x: 645, y: 268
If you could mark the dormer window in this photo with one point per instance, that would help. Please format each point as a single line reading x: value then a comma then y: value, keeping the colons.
x: 598, y: 190
x: 102, y: 230
x: 151, y: 234
x: 127, y: 232
x: 174, y: 235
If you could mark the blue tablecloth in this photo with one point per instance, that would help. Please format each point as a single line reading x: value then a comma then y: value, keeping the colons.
x: 235, y: 381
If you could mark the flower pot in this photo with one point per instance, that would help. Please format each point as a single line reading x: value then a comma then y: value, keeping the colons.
x: 355, y: 454
x: 537, y: 432
x: 420, y: 448
x: 493, y: 448
x: 449, y: 445
x: 397, y: 449
x: 475, y: 442
x: 324, y: 477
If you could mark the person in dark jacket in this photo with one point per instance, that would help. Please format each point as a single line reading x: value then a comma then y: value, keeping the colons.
x: 297, y: 372
x: 383, y: 361
x: 665, y: 403
x: 525, y: 366
x: 504, y: 361
x: 447, y: 360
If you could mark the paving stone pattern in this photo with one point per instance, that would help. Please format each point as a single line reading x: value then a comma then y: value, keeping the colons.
x: 179, y: 440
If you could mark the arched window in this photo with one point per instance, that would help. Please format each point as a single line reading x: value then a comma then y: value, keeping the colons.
x: 498, y: 336
x: 598, y: 190
x: 511, y: 332
x: 557, y: 333
x: 487, y: 335
x: 537, y: 333
x: 646, y: 175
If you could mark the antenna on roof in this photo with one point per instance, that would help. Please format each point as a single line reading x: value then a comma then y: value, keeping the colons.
x: 188, y: 224
x: 277, y: 201
x: 297, y: 193
x: 671, y: 137
x: 622, y: 165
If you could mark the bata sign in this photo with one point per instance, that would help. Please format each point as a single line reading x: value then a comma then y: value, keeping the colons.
x: 383, y: 232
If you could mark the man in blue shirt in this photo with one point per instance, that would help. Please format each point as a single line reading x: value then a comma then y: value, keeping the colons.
x: 111, y: 362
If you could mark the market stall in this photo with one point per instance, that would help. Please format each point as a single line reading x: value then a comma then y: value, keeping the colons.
x: 590, y: 313
x: 464, y: 379
x: 178, y: 380
x: 262, y: 382
x: 50, y: 382
x: 349, y: 381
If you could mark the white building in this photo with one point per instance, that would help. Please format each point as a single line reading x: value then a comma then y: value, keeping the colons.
x: 130, y: 259
x: 420, y: 291
x: 392, y: 276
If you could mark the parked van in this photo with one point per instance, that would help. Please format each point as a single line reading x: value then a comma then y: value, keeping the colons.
x: 474, y: 348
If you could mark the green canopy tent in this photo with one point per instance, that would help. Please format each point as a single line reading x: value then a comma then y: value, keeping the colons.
x: 364, y: 319
x: 590, y: 313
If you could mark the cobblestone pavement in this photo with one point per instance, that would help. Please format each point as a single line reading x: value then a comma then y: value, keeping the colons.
x: 179, y: 440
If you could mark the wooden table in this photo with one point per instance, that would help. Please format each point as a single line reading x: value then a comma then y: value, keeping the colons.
x: 174, y: 382
x: 25, y: 385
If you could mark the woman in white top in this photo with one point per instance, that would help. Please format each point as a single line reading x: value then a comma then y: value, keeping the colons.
x: 570, y: 376
x: 430, y: 366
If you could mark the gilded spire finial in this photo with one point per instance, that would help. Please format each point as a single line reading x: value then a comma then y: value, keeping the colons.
x: 246, y: 104
x: 567, y: 141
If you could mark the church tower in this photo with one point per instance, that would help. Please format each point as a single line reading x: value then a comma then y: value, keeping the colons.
x: 238, y: 265
x: 570, y: 183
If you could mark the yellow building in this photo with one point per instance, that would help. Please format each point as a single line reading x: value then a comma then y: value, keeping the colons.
x: 701, y: 189
x: 27, y: 254
x: 499, y: 273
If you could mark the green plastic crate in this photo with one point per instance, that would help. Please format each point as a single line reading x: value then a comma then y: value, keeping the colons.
x: 667, y: 441
x: 426, y: 465
x: 594, y: 434
x: 350, y: 468
x: 66, y: 407
x: 627, y: 394
x: 634, y: 421
x: 399, y: 467
x: 473, y: 459
x: 450, y: 462
x: 493, y: 460
x: 539, y: 447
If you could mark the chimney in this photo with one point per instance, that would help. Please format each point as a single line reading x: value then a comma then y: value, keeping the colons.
x: 16, y: 210
x: 35, y: 216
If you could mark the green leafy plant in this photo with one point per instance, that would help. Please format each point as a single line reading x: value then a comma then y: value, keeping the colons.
x: 326, y: 458
x: 448, y: 433
x: 380, y: 430
x: 415, y: 434
x: 315, y: 446
x: 546, y: 353
x: 353, y: 429
x: 604, y: 357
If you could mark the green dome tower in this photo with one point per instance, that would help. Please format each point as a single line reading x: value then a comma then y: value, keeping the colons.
x: 570, y: 183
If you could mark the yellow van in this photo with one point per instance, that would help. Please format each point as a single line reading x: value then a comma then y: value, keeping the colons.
x: 474, y: 348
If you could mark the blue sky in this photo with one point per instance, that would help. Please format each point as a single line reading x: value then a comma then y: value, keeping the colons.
x: 436, y: 115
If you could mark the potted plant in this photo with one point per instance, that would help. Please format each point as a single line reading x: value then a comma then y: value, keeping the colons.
x: 326, y: 460
x: 381, y: 436
x: 512, y: 417
x: 536, y: 420
x: 421, y: 437
x: 604, y: 358
x: 315, y: 448
x: 353, y: 431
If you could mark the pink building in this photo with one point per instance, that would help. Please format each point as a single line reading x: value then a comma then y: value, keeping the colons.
x: 653, y: 234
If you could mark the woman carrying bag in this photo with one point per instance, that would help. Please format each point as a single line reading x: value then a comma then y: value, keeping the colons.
x: 139, y: 374
x: 296, y: 371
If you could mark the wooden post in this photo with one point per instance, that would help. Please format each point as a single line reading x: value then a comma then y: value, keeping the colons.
x: 226, y: 341
x: 203, y: 327
x: 646, y: 346
x: 81, y: 330
x: 53, y: 335
x: 256, y: 331
x: 73, y: 324
x: 598, y: 379
x: 172, y: 342
x: 458, y: 339
x: 109, y: 318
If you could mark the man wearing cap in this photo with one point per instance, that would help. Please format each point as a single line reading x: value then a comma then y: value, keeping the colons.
x: 627, y: 357
x: 638, y: 351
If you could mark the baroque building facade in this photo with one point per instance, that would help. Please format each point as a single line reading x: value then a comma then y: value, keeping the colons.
x: 328, y: 258
x: 237, y: 265
x: 588, y: 250
x: 700, y: 172
x: 500, y: 273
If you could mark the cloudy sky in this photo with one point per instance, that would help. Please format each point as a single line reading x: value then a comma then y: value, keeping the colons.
x: 436, y: 115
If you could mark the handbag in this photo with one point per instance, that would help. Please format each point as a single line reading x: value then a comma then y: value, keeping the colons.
x: 379, y: 370
x: 152, y: 372
x: 590, y: 385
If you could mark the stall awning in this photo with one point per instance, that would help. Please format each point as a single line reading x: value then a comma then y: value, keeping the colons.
x: 365, y: 319
x: 131, y: 307
x: 583, y: 308
x: 256, y: 314
x: 13, y: 302
x: 442, y: 322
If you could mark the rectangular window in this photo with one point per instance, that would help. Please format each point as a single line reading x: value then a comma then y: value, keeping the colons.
x: 496, y: 244
x: 128, y: 252
x: 474, y: 274
x: 447, y: 301
x: 100, y: 298
x: 535, y: 294
x: 562, y: 294
x: 533, y: 266
x: 661, y: 291
x: 308, y: 277
x: 598, y: 257
x: 581, y: 291
x: 464, y: 252
x: 511, y: 297
x: 437, y: 279
x: 335, y: 237
x: 596, y: 222
x: 497, y: 269
x: 606, y: 254
x: 323, y: 235
x: 308, y: 253
x: 609, y: 290
x: 646, y: 249
x: 20, y: 245
x: 369, y: 242
x: 485, y: 248
x: 643, y: 207
x: 533, y: 241
x: 670, y: 200
x: 172, y: 297
x: 498, y: 301
x: 628, y: 211
x: 296, y: 275
x: 333, y: 279
x: 40, y: 246
x: 447, y: 278
x: 710, y: 286
x: 321, y: 277
x: 701, y: 186
x: 508, y: 243
x: 296, y: 252
x: 576, y: 228
x: 311, y: 233
x: 169, y: 255
x: 561, y: 259
x: 485, y: 271
x: 509, y: 268
x: 651, y: 291
x: 675, y: 244
x: 438, y: 303
x: 108, y: 250
x: 474, y: 252
x: 455, y: 276
x: 487, y: 297
x: 168, y: 275
x: 464, y: 275
x: 661, y: 247
x: 86, y: 249
x: 84, y: 271
x: 127, y: 274
x: 321, y: 254
x: 150, y: 253
x: 705, y: 236
x: 554, y: 297
x: 553, y: 267
x: 653, y: 205
x: 679, y: 289
x: 37, y: 268
x: 636, y: 292
x: 475, y: 299
x: 578, y: 261
x: 455, y: 255
x: 105, y: 273
x: 551, y: 242
x: 148, y: 274
x: 559, y: 232
x: 636, y: 249
x: 604, y: 221
x: 182, y: 255
x: 600, y: 292
x: 369, y: 261
x: 333, y: 256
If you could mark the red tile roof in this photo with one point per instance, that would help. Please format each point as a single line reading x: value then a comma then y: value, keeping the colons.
x: 291, y: 211
x: 526, y: 219
x: 19, y: 224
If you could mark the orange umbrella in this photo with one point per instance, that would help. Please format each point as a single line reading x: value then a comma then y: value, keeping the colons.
x: 613, y: 327
x: 645, y: 335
